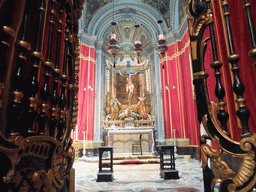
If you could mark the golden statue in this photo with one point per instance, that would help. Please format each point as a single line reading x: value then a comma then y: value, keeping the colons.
x: 142, y: 107
x: 114, y: 105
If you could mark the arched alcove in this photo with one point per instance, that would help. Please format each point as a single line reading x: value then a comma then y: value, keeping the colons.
x: 126, y: 15
x: 95, y: 31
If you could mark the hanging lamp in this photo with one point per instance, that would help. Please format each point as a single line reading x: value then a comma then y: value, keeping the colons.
x: 161, y: 47
x: 137, y: 46
x: 138, y: 49
x: 113, y: 47
x: 161, y: 43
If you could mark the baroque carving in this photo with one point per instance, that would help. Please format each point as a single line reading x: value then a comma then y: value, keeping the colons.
x: 28, y: 163
x: 35, y: 146
x: 214, y: 117
x: 222, y: 168
x: 223, y: 171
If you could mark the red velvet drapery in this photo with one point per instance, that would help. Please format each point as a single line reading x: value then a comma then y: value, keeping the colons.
x: 53, y: 54
x: 179, y: 107
x: 247, y: 72
x: 86, y: 94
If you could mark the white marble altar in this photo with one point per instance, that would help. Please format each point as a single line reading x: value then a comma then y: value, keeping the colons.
x: 122, y: 139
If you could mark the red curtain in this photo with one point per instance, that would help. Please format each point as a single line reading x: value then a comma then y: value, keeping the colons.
x: 86, y: 94
x: 53, y: 54
x: 179, y: 106
x: 242, y: 43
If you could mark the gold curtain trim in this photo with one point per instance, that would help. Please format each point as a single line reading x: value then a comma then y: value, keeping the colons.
x: 169, y: 58
x: 87, y: 58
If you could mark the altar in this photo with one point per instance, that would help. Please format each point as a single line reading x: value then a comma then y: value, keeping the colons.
x: 122, y: 140
x: 128, y: 113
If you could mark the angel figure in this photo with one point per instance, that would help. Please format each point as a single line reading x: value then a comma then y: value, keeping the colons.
x: 114, y: 104
x: 142, y: 107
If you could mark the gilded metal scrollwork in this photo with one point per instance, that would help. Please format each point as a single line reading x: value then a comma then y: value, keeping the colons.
x: 44, y: 149
x: 36, y: 153
x: 246, y: 169
x: 213, y: 116
x: 222, y: 168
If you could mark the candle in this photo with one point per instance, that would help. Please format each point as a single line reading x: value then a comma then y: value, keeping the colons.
x: 84, y: 151
x: 161, y: 37
x: 113, y: 36
x: 175, y: 145
x: 76, y: 132
x: 137, y: 42
x: 72, y: 134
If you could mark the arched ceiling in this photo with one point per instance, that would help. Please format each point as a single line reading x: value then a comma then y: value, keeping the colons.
x: 127, y: 33
x: 98, y: 14
x: 162, y: 6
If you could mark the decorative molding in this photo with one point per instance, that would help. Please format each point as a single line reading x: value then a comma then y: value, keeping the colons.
x: 86, y: 39
x: 177, y: 34
x: 99, y: 45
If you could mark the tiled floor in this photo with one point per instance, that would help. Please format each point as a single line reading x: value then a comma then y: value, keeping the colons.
x: 139, y: 178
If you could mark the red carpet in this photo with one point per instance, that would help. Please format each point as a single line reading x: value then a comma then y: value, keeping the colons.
x: 131, y: 162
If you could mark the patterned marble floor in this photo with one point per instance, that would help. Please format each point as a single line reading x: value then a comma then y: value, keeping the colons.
x: 139, y: 178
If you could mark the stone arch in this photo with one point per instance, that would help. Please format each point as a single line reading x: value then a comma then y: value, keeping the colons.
x: 141, y: 13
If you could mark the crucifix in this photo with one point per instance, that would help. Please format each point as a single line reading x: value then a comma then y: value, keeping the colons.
x: 127, y: 74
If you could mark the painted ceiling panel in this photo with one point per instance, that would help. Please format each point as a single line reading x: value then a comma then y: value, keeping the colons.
x: 163, y: 5
x: 129, y: 16
x: 91, y: 7
x: 182, y: 9
x: 127, y: 34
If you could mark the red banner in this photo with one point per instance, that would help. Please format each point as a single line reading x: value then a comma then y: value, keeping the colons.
x: 86, y: 94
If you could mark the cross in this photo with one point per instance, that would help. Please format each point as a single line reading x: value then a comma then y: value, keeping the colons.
x: 129, y: 70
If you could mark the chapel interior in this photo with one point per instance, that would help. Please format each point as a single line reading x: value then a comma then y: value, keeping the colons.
x: 132, y: 77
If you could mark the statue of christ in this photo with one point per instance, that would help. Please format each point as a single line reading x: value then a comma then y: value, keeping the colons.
x: 129, y: 84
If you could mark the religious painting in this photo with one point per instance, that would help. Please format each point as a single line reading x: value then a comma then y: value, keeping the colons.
x: 142, y: 38
x: 91, y: 7
x: 127, y: 31
x: 163, y: 6
x: 182, y: 10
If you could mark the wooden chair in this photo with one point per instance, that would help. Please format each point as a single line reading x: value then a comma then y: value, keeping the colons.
x: 137, y: 145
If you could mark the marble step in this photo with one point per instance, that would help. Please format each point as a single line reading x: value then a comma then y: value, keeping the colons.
x: 131, y: 159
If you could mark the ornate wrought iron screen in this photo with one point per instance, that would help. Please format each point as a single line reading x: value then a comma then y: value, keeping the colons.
x: 38, y: 103
x: 232, y: 162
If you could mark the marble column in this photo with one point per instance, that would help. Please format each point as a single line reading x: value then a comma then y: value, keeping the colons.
x: 159, y: 120
x: 99, y: 80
